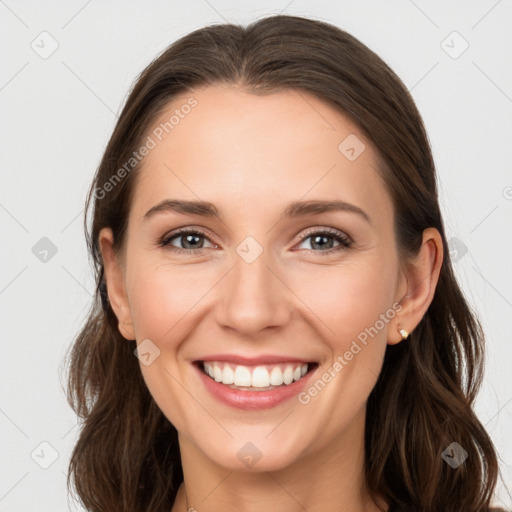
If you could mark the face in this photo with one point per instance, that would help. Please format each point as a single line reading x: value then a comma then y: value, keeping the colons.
x: 260, y: 291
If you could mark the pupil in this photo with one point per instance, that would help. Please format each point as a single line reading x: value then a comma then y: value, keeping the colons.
x: 322, y: 243
x: 188, y: 238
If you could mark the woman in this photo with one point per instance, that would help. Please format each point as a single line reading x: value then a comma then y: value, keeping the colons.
x: 268, y: 242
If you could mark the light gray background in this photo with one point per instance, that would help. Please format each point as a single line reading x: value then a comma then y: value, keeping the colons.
x: 57, y: 114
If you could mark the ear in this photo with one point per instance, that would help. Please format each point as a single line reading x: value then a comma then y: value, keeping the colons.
x: 115, y: 282
x: 418, y: 284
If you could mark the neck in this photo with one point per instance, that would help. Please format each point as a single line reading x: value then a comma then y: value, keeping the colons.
x: 331, y: 478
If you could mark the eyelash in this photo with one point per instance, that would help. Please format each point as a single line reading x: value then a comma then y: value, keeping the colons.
x: 344, y: 240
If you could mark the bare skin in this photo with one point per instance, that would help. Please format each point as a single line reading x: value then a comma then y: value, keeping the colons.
x: 250, y: 156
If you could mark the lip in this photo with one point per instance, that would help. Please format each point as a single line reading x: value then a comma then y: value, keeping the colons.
x: 254, y: 400
x: 253, y: 361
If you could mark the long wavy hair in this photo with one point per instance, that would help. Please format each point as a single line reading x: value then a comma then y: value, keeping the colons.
x: 127, y: 455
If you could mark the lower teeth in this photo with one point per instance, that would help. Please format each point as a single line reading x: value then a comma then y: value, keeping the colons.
x: 252, y: 388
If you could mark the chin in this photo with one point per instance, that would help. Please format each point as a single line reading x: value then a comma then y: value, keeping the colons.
x: 254, y: 453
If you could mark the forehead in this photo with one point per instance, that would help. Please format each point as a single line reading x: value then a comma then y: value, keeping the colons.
x: 232, y: 146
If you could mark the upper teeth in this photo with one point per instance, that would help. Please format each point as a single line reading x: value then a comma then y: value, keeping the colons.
x: 257, y: 376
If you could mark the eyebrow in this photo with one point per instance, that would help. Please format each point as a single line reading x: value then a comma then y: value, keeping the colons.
x: 292, y: 210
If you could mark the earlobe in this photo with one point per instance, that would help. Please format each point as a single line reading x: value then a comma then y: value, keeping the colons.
x: 421, y: 278
x: 115, y: 283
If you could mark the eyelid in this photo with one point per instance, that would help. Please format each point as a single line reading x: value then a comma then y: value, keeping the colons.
x: 327, y: 230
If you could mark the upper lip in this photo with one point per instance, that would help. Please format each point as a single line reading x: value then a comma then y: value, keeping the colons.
x: 250, y: 361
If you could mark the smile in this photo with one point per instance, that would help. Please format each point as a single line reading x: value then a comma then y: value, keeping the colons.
x: 255, y: 378
x: 254, y: 386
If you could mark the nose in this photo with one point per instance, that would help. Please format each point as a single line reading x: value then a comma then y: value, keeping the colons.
x: 254, y: 297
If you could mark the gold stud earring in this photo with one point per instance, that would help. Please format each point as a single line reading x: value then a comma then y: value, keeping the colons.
x: 403, y: 333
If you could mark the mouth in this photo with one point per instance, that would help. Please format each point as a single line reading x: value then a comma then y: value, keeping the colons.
x: 255, y: 377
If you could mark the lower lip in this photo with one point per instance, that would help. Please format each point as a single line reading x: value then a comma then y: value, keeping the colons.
x: 253, y: 399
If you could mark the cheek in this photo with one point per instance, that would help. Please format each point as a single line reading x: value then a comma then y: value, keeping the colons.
x: 349, y: 299
x: 161, y: 297
x: 355, y: 305
x: 164, y: 301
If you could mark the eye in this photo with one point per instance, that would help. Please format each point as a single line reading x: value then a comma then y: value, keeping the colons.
x: 320, y: 241
x: 324, y: 240
x: 190, y: 240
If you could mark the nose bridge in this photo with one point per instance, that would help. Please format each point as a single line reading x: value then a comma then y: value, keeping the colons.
x: 254, y: 298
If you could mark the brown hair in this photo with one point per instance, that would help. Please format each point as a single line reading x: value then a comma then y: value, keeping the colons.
x: 127, y: 455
